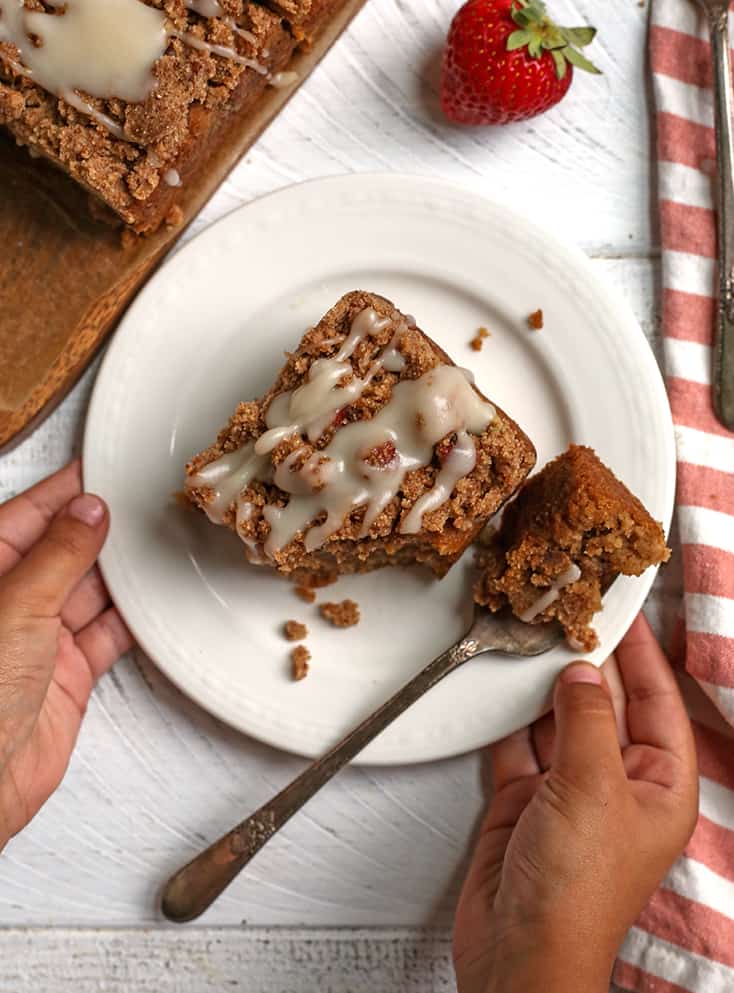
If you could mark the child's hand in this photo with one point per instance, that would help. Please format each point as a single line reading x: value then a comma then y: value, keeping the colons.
x: 580, y: 830
x: 58, y: 634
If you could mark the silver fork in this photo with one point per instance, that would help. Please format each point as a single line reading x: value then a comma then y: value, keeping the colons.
x: 723, y: 372
x: 194, y: 888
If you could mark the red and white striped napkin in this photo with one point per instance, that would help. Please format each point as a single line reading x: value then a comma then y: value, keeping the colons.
x: 684, y: 941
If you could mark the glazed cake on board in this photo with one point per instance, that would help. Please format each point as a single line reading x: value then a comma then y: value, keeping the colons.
x: 129, y: 97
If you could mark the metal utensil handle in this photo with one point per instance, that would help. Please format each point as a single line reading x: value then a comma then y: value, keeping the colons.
x: 198, y: 884
x: 723, y: 372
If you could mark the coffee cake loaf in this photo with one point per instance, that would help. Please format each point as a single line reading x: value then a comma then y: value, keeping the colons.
x: 218, y: 56
x: 573, y: 528
x: 371, y: 449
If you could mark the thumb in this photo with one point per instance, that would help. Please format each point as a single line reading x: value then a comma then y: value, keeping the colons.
x: 43, y: 579
x: 587, y: 752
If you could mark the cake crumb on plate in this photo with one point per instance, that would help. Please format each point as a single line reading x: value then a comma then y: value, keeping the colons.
x: 305, y: 593
x: 300, y: 657
x: 477, y: 341
x: 535, y: 321
x: 341, y: 615
x: 295, y: 631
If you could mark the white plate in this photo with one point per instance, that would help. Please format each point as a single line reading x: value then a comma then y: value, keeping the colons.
x: 209, y: 330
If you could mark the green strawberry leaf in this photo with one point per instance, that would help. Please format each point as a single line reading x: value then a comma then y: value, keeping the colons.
x: 578, y: 60
x: 579, y: 37
x: 538, y: 34
x: 554, y: 38
x: 518, y: 39
x: 527, y: 12
x: 535, y: 47
x: 561, y: 65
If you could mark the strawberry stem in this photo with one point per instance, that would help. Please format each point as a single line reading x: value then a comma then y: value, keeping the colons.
x: 539, y: 34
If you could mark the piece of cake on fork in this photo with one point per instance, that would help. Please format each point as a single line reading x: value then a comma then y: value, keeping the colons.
x: 573, y: 528
x: 371, y: 449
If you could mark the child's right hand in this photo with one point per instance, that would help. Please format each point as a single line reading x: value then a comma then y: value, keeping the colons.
x: 580, y: 831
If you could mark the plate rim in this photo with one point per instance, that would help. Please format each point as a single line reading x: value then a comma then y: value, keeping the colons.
x: 621, y: 314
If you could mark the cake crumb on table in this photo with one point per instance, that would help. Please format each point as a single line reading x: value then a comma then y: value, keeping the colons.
x: 295, y: 631
x: 300, y: 657
x: 535, y: 321
x: 477, y: 341
x: 306, y: 593
x: 341, y: 615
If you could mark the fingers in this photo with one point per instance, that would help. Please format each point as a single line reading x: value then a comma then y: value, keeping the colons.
x: 508, y: 804
x: 88, y: 599
x: 104, y: 641
x: 544, y: 730
x: 587, y: 752
x: 619, y: 698
x: 40, y: 583
x: 513, y: 758
x: 25, y: 518
x: 656, y: 714
x: 544, y: 740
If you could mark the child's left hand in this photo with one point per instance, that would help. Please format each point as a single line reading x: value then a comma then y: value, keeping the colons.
x: 58, y: 634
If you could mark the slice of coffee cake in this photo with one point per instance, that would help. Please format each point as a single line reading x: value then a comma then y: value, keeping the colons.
x: 371, y: 449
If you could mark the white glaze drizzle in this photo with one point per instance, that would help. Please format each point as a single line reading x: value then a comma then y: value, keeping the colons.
x: 212, y: 8
x: 337, y: 479
x: 566, y: 578
x: 311, y: 408
x: 280, y: 80
x: 172, y: 177
x: 84, y: 107
x: 227, y: 476
x: 205, y: 8
x: 213, y: 49
x: 460, y: 462
x: 245, y: 511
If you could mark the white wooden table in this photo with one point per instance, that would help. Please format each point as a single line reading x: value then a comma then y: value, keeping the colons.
x: 357, y: 892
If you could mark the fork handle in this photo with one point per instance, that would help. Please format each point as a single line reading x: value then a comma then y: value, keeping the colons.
x: 192, y: 889
x: 723, y: 371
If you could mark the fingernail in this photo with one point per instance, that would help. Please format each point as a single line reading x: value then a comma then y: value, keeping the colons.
x: 582, y: 672
x: 88, y: 509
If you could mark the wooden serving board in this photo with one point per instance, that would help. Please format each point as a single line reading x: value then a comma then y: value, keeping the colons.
x: 66, y: 278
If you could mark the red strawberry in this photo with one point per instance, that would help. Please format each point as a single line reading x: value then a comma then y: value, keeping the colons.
x: 506, y: 61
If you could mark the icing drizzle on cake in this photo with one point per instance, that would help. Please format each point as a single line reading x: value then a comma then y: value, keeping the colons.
x: 366, y: 462
x: 567, y: 578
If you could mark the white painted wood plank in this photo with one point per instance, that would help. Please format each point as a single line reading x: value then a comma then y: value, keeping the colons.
x: 215, y: 960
